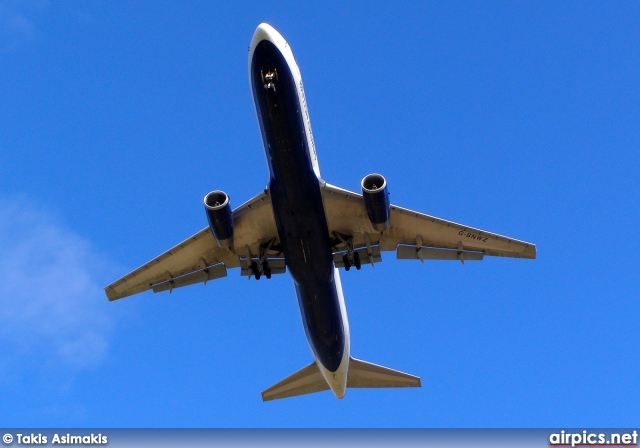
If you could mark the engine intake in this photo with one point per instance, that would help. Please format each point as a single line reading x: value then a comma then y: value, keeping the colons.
x: 220, y: 218
x: 376, y: 200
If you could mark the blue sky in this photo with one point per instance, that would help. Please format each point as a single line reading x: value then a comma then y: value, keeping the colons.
x: 518, y: 118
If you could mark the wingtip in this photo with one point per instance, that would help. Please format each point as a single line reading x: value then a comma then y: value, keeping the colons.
x: 111, y: 294
x: 530, y: 252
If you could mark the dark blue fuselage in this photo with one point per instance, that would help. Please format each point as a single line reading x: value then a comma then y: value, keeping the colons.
x: 297, y: 202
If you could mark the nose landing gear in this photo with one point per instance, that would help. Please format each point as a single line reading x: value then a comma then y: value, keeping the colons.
x: 269, y: 79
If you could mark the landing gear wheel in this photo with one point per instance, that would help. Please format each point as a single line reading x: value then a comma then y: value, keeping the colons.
x: 356, y: 261
x: 347, y: 263
x: 255, y: 270
x: 267, y: 270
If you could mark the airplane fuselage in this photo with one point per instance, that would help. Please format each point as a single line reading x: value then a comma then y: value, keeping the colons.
x: 318, y: 228
x: 294, y: 186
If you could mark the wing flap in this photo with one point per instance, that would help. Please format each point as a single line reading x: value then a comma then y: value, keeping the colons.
x: 429, y: 253
x: 201, y: 276
x: 371, y: 256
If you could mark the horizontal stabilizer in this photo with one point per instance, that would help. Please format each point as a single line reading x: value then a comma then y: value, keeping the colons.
x: 363, y: 374
x: 305, y: 381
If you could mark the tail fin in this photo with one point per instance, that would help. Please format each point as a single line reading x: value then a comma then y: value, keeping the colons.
x: 361, y: 374
x: 364, y: 374
x: 305, y: 381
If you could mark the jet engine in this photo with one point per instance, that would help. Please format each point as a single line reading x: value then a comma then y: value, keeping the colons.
x: 376, y: 199
x: 216, y: 204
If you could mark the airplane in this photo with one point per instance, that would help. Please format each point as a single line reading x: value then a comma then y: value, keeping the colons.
x: 311, y: 228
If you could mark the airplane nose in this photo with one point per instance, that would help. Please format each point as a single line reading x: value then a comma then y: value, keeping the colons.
x: 264, y: 31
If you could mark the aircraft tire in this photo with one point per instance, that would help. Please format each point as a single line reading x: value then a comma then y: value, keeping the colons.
x: 347, y: 264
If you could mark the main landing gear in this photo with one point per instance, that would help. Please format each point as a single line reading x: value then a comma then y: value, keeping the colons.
x: 261, y: 266
x: 355, y: 262
x: 351, y: 257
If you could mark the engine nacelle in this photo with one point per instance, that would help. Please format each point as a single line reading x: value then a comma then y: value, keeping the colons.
x: 220, y: 218
x: 376, y: 199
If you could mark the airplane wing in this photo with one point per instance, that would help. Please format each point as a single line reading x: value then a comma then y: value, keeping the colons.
x: 411, y: 234
x: 199, y: 259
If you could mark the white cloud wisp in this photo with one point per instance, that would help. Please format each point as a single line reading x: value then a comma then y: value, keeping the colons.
x: 51, y: 306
